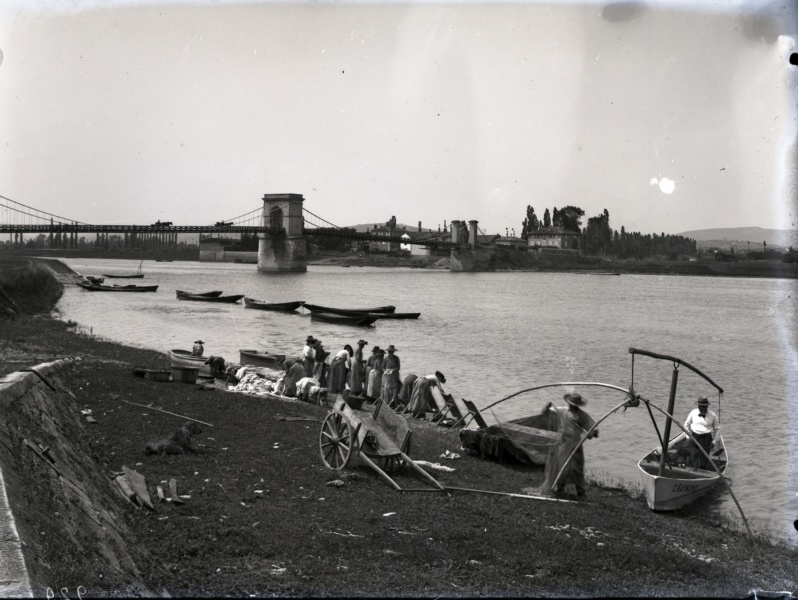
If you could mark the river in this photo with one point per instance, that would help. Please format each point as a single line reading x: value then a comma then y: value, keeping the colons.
x: 493, y: 334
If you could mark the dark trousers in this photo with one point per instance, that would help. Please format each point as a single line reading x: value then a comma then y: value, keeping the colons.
x: 705, y: 441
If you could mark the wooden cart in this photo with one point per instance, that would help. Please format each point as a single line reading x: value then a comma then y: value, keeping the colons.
x: 381, y: 437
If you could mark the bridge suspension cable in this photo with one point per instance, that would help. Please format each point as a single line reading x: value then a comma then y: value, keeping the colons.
x: 314, y: 220
x: 16, y: 213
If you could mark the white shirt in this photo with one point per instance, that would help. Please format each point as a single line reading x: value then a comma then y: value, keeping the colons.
x: 308, y: 352
x: 700, y: 425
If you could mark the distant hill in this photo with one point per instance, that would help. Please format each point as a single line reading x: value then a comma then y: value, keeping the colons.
x: 741, y: 236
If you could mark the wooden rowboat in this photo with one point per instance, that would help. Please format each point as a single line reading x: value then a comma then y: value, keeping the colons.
x: 223, y: 299
x: 348, y: 311
x: 406, y: 315
x: 279, y: 306
x: 256, y: 358
x: 95, y: 287
x: 213, y: 294
x: 184, y: 358
x: 682, y: 480
x: 359, y: 320
x: 133, y: 276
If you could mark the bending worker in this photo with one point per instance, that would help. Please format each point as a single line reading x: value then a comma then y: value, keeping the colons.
x: 703, y: 425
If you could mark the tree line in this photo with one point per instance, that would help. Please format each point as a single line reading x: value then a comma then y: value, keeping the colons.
x: 599, y: 239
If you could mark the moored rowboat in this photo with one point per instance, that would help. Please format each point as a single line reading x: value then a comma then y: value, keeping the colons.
x: 224, y: 299
x: 184, y: 358
x: 95, y: 287
x: 213, y: 294
x: 278, y: 306
x: 682, y: 480
x: 358, y: 319
x: 348, y: 311
x: 256, y: 358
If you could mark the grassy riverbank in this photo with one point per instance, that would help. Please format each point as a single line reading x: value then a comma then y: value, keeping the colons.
x: 262, y: 515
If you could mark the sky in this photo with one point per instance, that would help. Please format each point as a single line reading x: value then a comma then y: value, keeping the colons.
x: 671, y: 115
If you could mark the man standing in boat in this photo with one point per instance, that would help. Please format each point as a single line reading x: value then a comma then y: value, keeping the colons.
x: 198, y: 348
x: 703, y: 425
x: 571, y: 423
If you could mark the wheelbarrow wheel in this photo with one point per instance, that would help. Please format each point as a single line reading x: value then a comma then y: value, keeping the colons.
x: 336, y: 441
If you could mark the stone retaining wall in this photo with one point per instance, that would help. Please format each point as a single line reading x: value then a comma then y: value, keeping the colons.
x: 54, y: 497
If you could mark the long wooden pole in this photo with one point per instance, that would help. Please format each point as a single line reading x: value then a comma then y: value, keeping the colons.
x: 167, y: 412
x: 666, y: 436
x: 562, y: 383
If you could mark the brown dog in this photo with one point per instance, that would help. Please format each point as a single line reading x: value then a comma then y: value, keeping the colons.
x: 177, y: 443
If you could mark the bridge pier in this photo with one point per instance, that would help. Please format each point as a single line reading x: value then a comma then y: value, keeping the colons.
x: 281, y: 247
x: 466, y: 256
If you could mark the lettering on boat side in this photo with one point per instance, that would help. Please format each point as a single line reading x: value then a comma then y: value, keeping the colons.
x: 681, y: 487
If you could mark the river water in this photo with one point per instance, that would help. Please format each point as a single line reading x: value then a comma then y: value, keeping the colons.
x: 493, y: 334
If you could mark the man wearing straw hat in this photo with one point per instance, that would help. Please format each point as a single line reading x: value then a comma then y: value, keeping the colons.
x: 703, y: 425
x: 572, y: 422
x: 198, y: 348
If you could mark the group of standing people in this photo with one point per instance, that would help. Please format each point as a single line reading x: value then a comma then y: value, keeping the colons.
x: 377, y: 376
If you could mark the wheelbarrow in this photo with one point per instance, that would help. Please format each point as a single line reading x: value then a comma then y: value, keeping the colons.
x: 381, y: 437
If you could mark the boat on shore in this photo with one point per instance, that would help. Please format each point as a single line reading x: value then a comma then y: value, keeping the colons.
x: 278, y: 306
x: 213, y: 294
x: 184, y: 358
x: 257, y: 358
x: 357, y: 319
x: 313, y: 308
x: 682, y: 480
x: 681, y: 474
x: 222, y: 299
x: 96, y: 287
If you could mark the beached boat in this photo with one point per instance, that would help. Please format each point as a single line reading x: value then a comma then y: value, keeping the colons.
x: 676, y: 477
x: 96, y: 287
x: 213, y: 294
x: 526, y: 440
x: 93, y: 279
x: 256, y: 358
x: 348, y: 311
x: 184, y: 358
x: 681, y: 481
x: 279, y: 306
x: 223, y: 299
x: 357, y: 319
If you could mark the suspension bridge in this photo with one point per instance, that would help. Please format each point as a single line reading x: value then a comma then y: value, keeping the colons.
x: 282, y: 223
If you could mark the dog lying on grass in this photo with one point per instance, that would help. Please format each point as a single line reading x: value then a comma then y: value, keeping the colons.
x: 177, y: 443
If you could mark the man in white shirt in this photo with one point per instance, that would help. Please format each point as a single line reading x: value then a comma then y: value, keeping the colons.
x: 704, y: 426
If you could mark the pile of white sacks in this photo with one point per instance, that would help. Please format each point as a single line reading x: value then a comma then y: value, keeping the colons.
x: 254, y: 380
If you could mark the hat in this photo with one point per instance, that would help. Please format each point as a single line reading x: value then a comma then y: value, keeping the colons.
x: 575, y: 400
x: 391, y: 348
x: 199, y: 342
x: 703, y: 401
x: 375, y: 349
x: 440, y: 376
x: 310, y: 339
x: 362, y: 342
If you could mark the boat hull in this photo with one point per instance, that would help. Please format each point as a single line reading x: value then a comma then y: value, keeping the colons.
x: 95, y: 287
x: 357, y: 320
x: 256, y: 358
x: 184, y: 358
x: 680, y: 484
x: 314, y: 308
x: 219, y: 299
x: 276, y: 306
x: 134, y: 276
x: 213, y: 294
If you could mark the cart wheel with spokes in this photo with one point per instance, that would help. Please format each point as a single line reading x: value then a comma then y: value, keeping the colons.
x: 336, y: 441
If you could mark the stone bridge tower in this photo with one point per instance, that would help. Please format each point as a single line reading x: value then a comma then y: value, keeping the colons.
x: 282, y: 247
